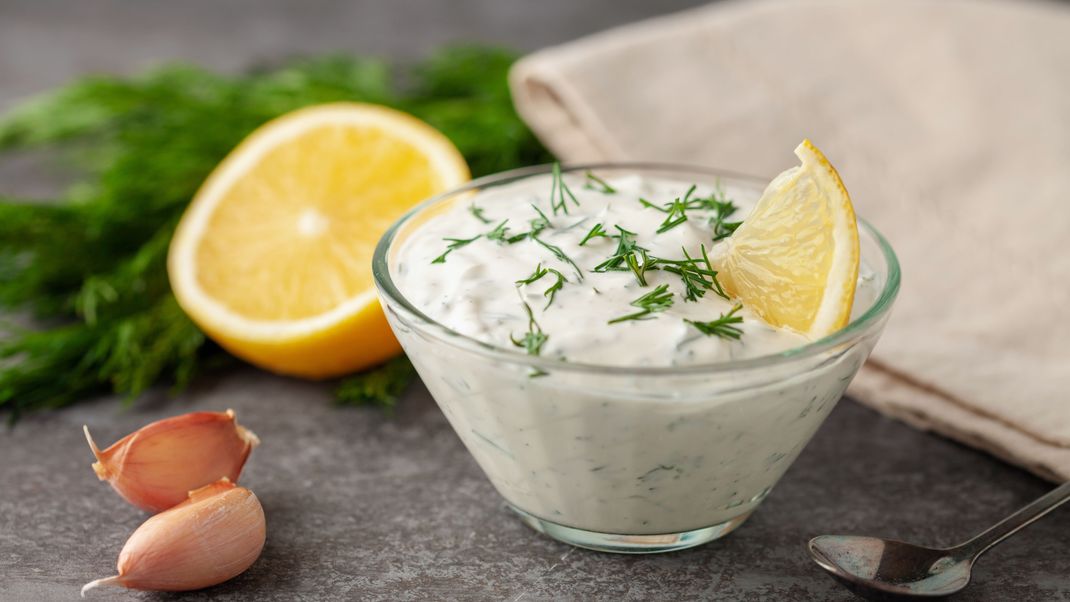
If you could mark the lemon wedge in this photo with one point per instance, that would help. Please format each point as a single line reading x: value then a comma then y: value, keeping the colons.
x: 794, y: 260
x: 272, y: 259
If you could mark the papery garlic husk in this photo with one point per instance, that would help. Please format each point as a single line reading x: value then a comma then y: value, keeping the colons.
x: 213, y: 536
x: 156, y: 466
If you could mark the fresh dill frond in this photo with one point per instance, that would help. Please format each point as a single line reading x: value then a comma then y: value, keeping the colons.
x: 638, y: 267
x: 540, y: 223
x: 657, y: 300
x: 676, y: 211
x: 560, y: 194
x: 500, y: 233
x: 538, y: 274
x: 717, y: 203
x: 534, y: 338
x: 626, y: 245
x: 380, y: 386
x: 697, y: 274
x: 558, y: 253
x: 598, y: 184
x: 596, y: 232
x: 454, y: 244
x: 535, y: 276
x: 477, y: 212
x: 556, y: 286
x: 723, y: 326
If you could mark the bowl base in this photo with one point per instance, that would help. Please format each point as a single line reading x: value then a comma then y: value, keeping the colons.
x: 630, y: 544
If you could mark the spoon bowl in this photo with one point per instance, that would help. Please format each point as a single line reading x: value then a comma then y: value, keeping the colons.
x: 891, y: 569
x: 886, y: 569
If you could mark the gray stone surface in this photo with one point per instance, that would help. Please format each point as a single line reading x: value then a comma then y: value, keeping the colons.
x: 365, y: 506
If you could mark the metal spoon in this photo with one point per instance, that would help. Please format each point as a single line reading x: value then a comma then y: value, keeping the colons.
x: 883, y: 569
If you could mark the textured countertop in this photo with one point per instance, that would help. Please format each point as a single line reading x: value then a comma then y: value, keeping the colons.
x: 361, y: 505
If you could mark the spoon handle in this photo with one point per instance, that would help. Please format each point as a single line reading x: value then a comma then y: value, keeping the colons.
x: 1016, y: 522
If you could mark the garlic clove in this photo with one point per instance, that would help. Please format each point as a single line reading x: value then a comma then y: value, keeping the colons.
x: 155, y: 467
x: 213, y: 536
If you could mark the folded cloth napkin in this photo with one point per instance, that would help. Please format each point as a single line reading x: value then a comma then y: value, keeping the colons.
x: 950, y: 124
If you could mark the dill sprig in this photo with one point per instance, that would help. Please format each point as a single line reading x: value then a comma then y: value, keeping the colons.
x: 538, y: 274
x: 454, y: 244
x: 596, y: 232
x: 558, y: 253
x: 639, y: 262
x: 598, y: 184
x: 657, y: 300
x: 560, y: 194
x: 378, y: 387
x: 534, y: 338
x: 540, y: 223
x: 477, y: 212
x: 92, y: 262
x: 676, y: 211
x: 625, y: 246
x: 723, y: 326
x: 500, y: 233
x: 697, y: 275
x: 722, y: 209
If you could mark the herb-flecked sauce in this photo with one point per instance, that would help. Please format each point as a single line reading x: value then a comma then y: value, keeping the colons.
x: 610, y: 453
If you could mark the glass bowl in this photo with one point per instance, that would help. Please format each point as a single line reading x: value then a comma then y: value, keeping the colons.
x: 632, y: 459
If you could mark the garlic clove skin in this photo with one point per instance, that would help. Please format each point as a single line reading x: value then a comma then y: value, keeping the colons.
x: 155, y: 467
x: 213, y: 536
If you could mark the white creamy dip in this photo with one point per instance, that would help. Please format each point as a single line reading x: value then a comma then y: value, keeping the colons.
x: 474, y: 291
x: 608, y: 451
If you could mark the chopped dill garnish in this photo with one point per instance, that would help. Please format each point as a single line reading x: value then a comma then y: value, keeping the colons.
x: 500, y: 233
x: 655, y: 301
x: 722, y: 326
x: 721, y: 228
x: 556, y: 250
x: 560, y: 193
x: 534, y: 338
x: 596, y: 183
x: 697, y: 274
x: 538, y: 274
x: 639, y: 268
x: 596, y: 232
x: 676, y: 212
x: 625, y: 246
x: 478, y: 213
x: 540, y: 223
x: 455, y: 243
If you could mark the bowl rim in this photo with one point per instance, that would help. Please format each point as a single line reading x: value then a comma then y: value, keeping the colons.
x: 393, y: 298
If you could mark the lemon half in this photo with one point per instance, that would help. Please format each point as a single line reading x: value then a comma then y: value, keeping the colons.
x: 272, y: 259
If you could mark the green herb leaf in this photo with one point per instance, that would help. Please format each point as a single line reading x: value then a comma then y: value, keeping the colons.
x: 534, y: 338
x: 657, y: 300
x: 500, y: 233
x: 598, y: 184
x: 722, y: 326
x: 558, y: 253
x: 477, y: 212
x: 596, y: 232
x: 697, y: 275
x: 625, y: 246
x: 560, y: 194
x: 381, y: 386
x: 454, y: 244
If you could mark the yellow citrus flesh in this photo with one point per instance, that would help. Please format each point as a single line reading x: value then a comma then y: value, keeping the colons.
x: 794, y: 261
x: 273, y: 256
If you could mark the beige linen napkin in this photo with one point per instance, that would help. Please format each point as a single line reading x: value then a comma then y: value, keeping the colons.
x: 950, y: 124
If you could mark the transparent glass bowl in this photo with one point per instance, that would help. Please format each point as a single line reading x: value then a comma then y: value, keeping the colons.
x: 631, y: 459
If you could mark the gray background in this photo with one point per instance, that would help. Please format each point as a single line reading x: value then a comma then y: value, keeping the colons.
x: 365, y: 506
